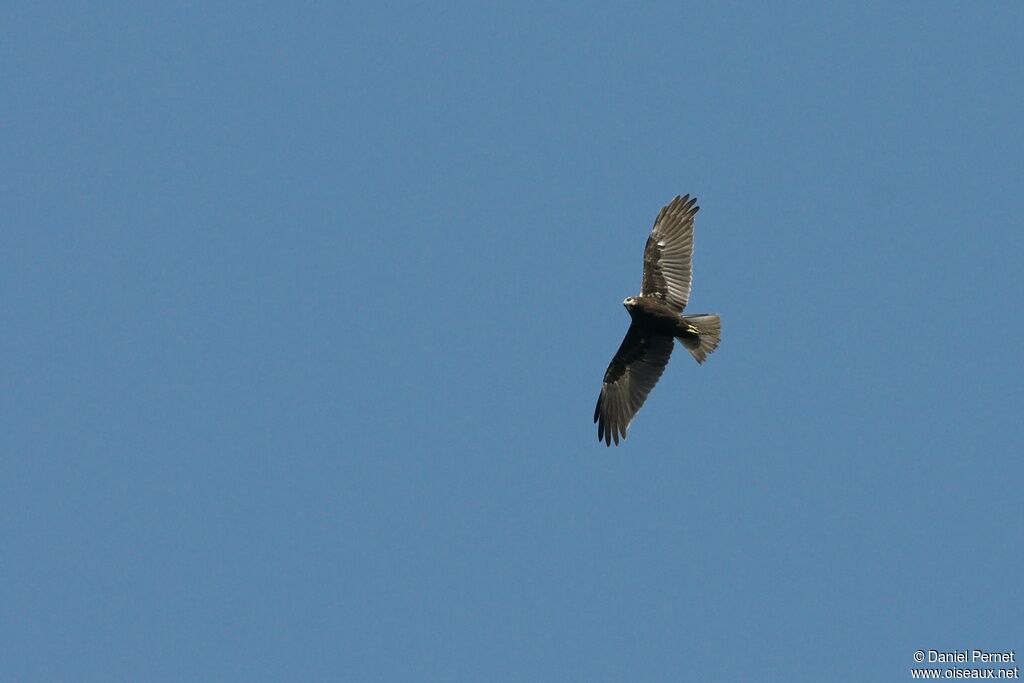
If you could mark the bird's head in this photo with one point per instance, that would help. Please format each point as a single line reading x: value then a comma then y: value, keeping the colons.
x: 629, y: 302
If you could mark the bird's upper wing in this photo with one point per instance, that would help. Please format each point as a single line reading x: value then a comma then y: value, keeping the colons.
x: 631, y: 375
x: 668, y: 253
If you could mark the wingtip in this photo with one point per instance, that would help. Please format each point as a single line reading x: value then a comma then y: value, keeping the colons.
x: 607, y: 434
x: 685, y: 204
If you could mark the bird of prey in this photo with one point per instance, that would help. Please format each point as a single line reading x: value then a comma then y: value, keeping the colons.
x: 656, y: 320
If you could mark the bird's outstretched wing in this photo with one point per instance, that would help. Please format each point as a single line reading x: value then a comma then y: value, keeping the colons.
x: 668, y: 253
x: 630, y: 376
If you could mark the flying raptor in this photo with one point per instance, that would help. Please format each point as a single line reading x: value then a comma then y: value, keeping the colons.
x: 656, y: 320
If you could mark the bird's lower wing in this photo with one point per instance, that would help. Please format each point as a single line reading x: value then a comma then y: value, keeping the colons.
x: 633, y: 372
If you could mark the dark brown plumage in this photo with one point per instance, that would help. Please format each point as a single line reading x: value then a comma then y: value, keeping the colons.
x: 656, y: 321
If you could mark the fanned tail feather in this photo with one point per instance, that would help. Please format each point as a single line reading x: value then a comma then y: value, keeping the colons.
x: 702, y: 334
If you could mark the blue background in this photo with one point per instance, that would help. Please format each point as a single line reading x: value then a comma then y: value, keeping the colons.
x: 305, y: 310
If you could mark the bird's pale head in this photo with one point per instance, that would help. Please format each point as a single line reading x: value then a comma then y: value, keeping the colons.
x: 629, y: 302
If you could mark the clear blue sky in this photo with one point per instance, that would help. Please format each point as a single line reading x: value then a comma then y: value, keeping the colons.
x: 305, y: 310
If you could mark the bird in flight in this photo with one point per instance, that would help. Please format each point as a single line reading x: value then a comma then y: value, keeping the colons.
x: 656, y: 320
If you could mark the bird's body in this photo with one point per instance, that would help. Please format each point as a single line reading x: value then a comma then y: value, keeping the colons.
x: 656, y: 321
x: 657, y: 318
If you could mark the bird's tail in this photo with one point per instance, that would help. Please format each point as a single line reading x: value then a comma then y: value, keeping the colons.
x: 700, y: 334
